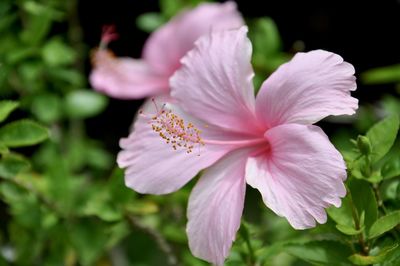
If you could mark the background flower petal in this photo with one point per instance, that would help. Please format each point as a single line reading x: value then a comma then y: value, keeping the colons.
x: 301, y: 175
x: 310, y: 87
x: 166, y: 46
x: 125, y: 78
x: 215, y: 208
x: 215, y: 81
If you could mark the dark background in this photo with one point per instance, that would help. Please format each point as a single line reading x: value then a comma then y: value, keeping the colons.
x: 364, y: 33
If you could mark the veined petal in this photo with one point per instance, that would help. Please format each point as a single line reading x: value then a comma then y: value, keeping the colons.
x: 310, y: 87
x: 166, y: 46
x: 125, y: 78
x: 215, y: 81
x: 300, y: 176
x: 157, y: 167
x: 215, y: 208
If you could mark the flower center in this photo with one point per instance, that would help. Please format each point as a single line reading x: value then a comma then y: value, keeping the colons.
x: 173, y: 129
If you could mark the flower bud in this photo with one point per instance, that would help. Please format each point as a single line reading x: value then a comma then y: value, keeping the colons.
x: 364, y: 145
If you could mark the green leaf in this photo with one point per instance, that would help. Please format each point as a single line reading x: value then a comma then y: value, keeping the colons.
x: 37, y: 9
x: 382, y: 75
x: 35, y: 30
x: 384, y: 224
x: 393, y: 258
x: 84, y: 103
x: 22, y: 133
x: 342, y: 215
x: 12, y: 164
x: 89, y: 237
x: 149, y: 22
x: 267, y: 46
x: 321, y: 252
x: 6, y: 107
x: 169, y: 8
x: 3, y: 149
x: 382, y: 136
x: 47, y: 107
x: 364, y: 201
x: 265, y: 37
x: 348, y: 230
x: 391, y: 168
x: 57, y: 53
x: 359, y: 259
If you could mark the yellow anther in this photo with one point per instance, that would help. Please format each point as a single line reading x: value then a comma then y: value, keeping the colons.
x: 174, y: 131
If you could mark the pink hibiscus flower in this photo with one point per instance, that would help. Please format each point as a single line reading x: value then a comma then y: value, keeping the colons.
x: 267, y: 141
x: 128, y: 78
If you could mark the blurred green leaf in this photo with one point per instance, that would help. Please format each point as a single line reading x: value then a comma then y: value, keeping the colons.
x: 99, y: 158
x: 359, y: 259
x: 142, y: 207
x: 3, y: 149
x: 38, y: 9
x: 381, y: 75
x: 22, y: 133
x: 388, y: 128
x: 170, y: 8
x: 47, y: 107
x: 21, y: 53
x: 84, y: 103
x: 89, y: 238
x: 265, y: 37
x: 324, y: 252
x: 267, y: 48
x: 149, y: 22
x: 6, y: 21
x: 70, y: 76
x: 57, y: 53
x: 384, y: 224
x: 118, y: 231
x: 35, y: 30
x: 12, y: 164
x: 6, y: 107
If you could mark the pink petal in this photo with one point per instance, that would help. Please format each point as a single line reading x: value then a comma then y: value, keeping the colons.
x: 166, y: 46
x: 215, y: 208
x: 310, y: 87
x: 301, y: 175
x: 215, y: 81
x: 125, y: 78
x: 153, y: 166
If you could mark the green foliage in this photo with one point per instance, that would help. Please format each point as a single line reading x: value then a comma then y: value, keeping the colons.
x: 66, y: 203
x: 149, y: 22
x: 384, y: 224
x: 84, y: 103
x: 22, y: 133
x: 358, y: 259
x: 267, y: 48
x: 321, y: 252
x: 6, y: 107
x: 381, y: 75
x: 12, y: 164
x: 170, y: 8
x: 381, y: 145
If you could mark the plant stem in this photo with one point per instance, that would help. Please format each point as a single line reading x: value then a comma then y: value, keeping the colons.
x: 244, y: 233
x: 356, y: 219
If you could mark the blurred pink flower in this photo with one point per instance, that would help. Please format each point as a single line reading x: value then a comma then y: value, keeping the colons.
x: 128, y: 78
x: 267, y: 141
